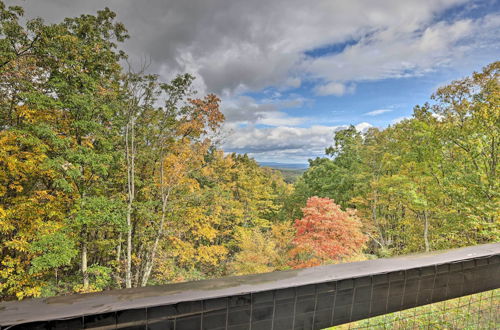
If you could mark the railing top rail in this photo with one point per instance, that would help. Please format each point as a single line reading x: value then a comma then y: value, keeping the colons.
x: 63, y: 307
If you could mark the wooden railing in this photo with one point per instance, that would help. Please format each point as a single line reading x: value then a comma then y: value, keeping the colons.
x: 311, y: 298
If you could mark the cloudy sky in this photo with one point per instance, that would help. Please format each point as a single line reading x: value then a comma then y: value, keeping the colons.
x: 290, y: 72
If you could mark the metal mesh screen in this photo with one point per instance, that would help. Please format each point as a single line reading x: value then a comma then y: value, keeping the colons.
x: 477, y: 311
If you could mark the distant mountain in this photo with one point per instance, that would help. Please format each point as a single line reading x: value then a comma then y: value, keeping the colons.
x: 284, y: 165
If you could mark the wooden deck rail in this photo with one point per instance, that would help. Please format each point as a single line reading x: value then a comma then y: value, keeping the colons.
x: 311, y: 298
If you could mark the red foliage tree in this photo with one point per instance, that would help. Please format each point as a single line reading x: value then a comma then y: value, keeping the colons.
x: 325, y: 233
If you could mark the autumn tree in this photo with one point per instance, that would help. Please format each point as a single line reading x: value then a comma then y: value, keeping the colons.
x: 428, y: 182
x: 207, y: 225
x: 326, y: 233
x: 261, y: 251
x: 258, y: 253
x: 112, y: 178
x: 59, y: 83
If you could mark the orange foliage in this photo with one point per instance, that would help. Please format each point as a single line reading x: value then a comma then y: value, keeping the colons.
x: 208, y: 111
x: 326, y: 233
x: 203, y: 115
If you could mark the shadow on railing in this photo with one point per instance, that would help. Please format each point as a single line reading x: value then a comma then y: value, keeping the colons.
x: 312, y: 298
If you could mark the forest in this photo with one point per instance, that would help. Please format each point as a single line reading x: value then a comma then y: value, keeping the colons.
x: 111, y: 178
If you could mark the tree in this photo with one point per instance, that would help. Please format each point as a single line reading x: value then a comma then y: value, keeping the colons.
x: 469, y: 127
x: 118, y: 168
x: 428, y: 182
x: 258, y: 253
x: 61, y: 83
x: 336, y: 176
x: 81, y: 61
x: 262, y: 251
x: 31, y: 215
x: 141, y: 92
x: 167, y: 143
x: 326, y: 234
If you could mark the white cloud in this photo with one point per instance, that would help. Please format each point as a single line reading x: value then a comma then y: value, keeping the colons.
x: 399, y: 119
x: 283, y: 143
x: 240, y: 45
x: 378, y: 112
x: 247, y: 110
x: 277, y: 118
x: 394, y: 53
x: 253, y: 139
x: 237, y: 46
x: 335, y: 88
x: 362, y: 127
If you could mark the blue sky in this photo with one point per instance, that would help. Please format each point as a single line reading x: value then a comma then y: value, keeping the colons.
x: 378, y: 99
x: 291, y: 72
x: 380, y: 102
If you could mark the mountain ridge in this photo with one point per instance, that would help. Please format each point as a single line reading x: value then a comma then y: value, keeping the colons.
x: 278, y: 165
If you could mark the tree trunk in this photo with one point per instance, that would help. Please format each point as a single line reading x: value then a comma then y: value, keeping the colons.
x: 130, y: 156
x: 382, y: 242
x: 128, y: 270
x: 140, y: 268
x: 84, y: 262
x: 150, y: 260
x: 165, y: 196
x: 118, y: 258
x: 426, y: 232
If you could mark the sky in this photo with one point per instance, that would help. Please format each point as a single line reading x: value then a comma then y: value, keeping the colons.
x: 291, y: 72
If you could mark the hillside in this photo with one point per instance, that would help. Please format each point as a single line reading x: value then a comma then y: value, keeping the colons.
x: 290, y: 171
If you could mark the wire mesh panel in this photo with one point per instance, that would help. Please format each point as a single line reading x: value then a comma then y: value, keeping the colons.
x: 477, y: 311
